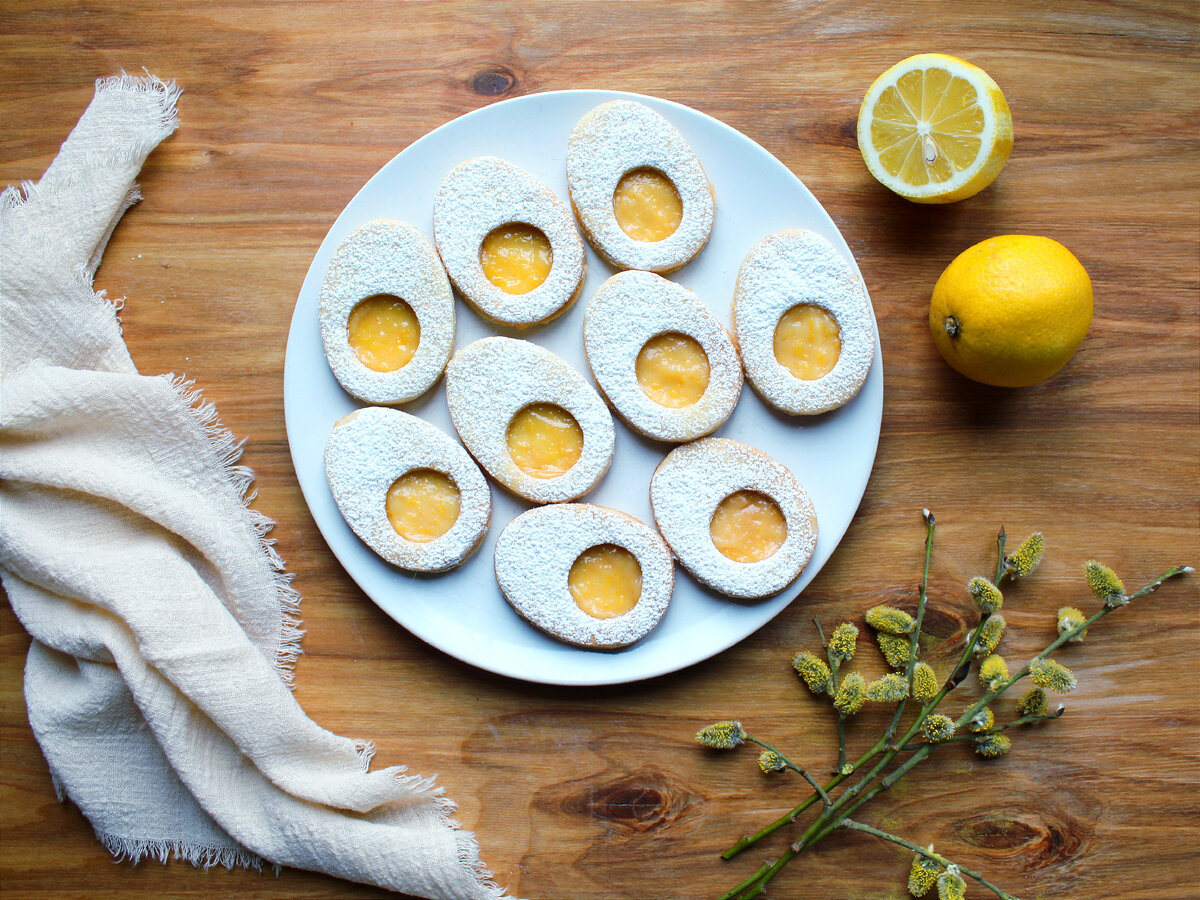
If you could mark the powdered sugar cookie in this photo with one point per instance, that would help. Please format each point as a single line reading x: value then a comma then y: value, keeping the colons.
x: 387, y: 313
x: 803, y: 323
x: 661, y: 357
x: 736, y: 519
x: 509, y: 244
x: 587, y: 575
x: 533, y: 422
x: 639, y: 191
x: 407, y: 489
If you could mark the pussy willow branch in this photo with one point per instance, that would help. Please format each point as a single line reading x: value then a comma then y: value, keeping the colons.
x: 928, y: 854
x: 836, y: 812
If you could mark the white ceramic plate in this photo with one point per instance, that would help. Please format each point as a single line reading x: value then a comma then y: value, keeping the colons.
x: 462, y: 612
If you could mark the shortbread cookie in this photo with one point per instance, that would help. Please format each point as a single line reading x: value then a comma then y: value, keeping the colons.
x: 736, y: 519
x: 387, y: 313
x: 509, y: 244
x: 803, y: 323
x: 587, y: 575
x: 407, y: 489
x: 661, y: 357
x: 533, y: 422
x: 639, y: 191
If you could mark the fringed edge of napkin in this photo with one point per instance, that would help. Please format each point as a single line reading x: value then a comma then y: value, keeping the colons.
x: 240, y: 479
x: 202, y: 857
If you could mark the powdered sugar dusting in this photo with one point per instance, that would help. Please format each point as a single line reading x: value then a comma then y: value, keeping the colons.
x: 387, y: 257
x: 791, y: 268
x: 368, y: 451
x: 629, y: 309
x: 485, y: 193
x: 490, y: 380
x: 613, y: 139
x: 534, y: 555
x: 685, y: 491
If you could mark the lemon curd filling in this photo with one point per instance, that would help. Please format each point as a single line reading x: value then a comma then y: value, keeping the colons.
x: 807, y: 342
x: 384, y: 332
x: 672, y: 370
x: 606, y: 581
x: 647, y: 206
x: 544, y: 440
x: 748, y: 526
x: 516, y: 257
x: 928, y: 126
x: 423, y: 504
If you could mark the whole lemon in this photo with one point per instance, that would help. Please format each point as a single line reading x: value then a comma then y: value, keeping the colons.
x: 1011, y: 310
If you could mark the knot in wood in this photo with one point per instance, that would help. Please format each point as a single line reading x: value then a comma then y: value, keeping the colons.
x: 638, y: 802
x: 493, y: 81
x: 1041, y: 840
x: 637, y: 807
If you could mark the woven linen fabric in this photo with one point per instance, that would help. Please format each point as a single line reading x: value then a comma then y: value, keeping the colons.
x: 164, y: 628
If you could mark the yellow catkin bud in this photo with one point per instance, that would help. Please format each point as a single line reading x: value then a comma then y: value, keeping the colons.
x: 851, y: 695
x: 1032, y: 702
x: 1025, y: 558
x: 993, y: 746
x: 989, y: 635
x: 923, y: 874
x: 721, y: 735
x: 896, y: 650
x: 1104, y: 583
x: 890, y: 619
x: 925, y: 683
x: 983, y: 720
x: 1070, y: 618
x: 993, y: 672
x: 891, y: 688
x: 951, y: 886
x: 1046, y: 673
x: 770, y: 761
x: 985, y: 594
x: 842, y: 642
x: 937, y: 728
x: 813, y: 670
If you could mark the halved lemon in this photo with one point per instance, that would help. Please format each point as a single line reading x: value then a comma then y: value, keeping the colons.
x: 935, y: 129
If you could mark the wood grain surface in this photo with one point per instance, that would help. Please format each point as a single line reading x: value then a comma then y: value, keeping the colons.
x: 290, y: 107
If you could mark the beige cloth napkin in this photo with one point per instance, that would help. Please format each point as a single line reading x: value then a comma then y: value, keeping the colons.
x: 163, y: 625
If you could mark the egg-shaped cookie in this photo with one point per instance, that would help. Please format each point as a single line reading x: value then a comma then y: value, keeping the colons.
x: 508, y: 242
x: 638, y: 188
x: 736, y: 519
x: 803, y: 323
x: 661, y: 357
x: 590, y: 576
x: 386, y: 313
x: 407, y: 489
x: 530, y: 419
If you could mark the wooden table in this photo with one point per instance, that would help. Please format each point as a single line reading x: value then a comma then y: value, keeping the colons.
x: 601, y: 793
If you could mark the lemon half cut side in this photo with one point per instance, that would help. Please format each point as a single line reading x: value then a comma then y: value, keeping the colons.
x: 935, y: 129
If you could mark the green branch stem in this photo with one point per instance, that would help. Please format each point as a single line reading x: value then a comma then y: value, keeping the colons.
x: 833, y: 680
x: 795, y: 768
x: 928, y: 854
x: 1001, y: 570
x: 922, y: 600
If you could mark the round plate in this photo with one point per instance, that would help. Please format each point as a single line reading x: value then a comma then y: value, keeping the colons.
x: 462, y: 612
